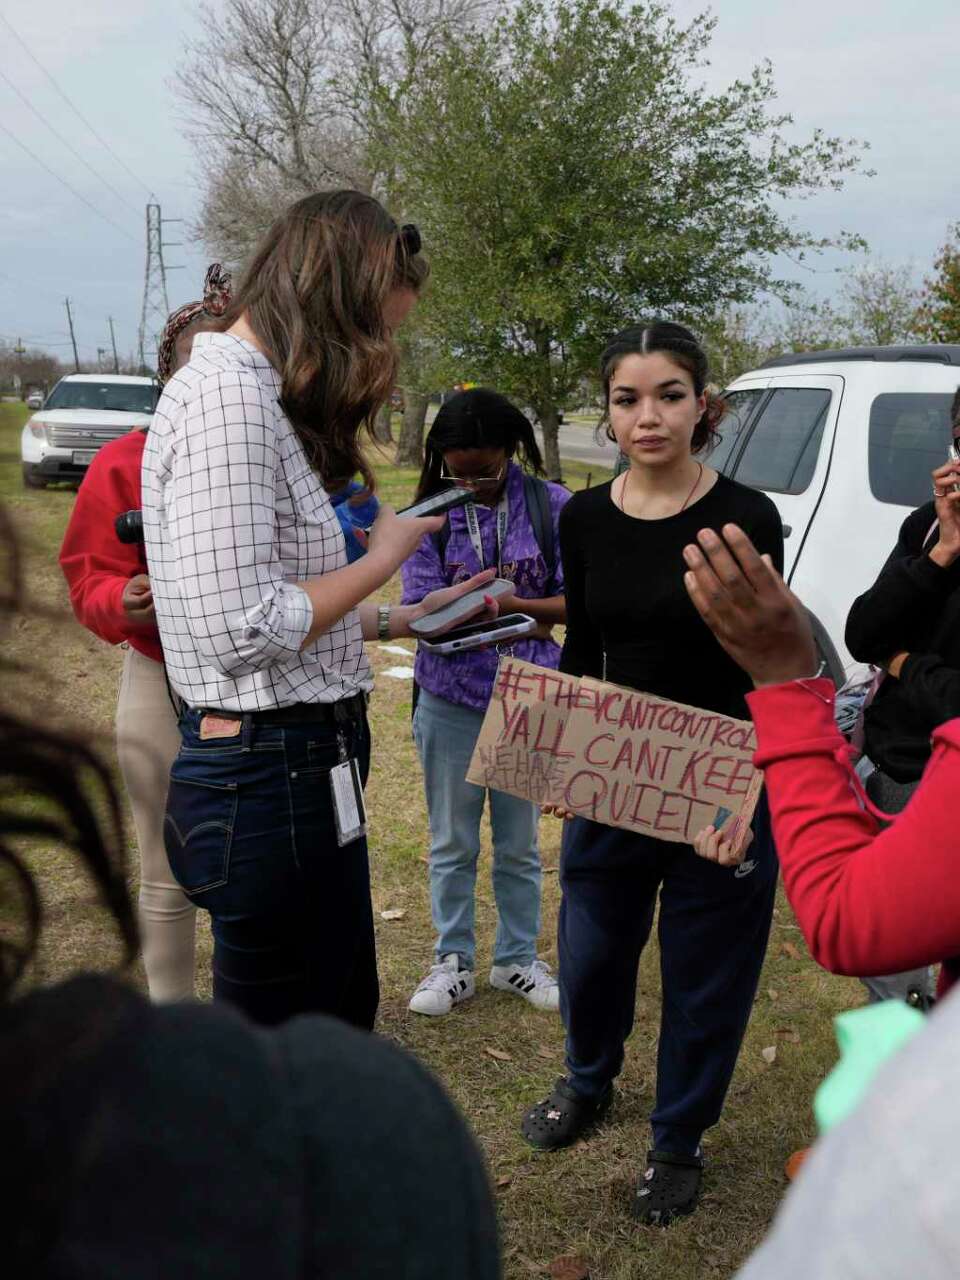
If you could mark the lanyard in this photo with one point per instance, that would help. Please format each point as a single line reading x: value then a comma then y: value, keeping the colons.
x: 473, y: 528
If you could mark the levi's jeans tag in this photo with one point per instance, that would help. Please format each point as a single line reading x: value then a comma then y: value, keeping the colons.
x: 213, y: 726
x: 349, y: 810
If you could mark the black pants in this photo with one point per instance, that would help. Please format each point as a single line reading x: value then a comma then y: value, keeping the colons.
x: 916, y: 986
x: 250, y: 834
x: 713, y: 930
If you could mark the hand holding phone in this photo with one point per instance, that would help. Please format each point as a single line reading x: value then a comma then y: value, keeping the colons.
x: 393, y: 538
x: 438, y: 504
x: 476, y: 635
x: 449, y: 615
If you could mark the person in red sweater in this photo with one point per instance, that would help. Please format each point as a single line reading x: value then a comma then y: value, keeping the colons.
x: 110, y: 595
x: 869, y: 899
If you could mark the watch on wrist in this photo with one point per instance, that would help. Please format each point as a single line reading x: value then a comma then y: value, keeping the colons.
x: 383, y: 622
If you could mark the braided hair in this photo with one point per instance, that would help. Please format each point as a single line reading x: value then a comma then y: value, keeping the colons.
x: 216, y: 298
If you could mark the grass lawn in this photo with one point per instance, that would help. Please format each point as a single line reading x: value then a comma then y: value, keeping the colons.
x: 569, y: 1203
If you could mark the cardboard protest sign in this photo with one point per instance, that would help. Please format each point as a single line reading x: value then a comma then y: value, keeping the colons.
x: 615, y: 755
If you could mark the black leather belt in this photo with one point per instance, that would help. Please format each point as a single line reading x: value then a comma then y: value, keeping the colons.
x: 344, y: 711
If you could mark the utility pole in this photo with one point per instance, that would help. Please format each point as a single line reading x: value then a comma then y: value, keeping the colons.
x: 73, y: 339
x: 19, y: 351
x: 113, y: 343
x: 101, y: 352
x: 156, y: 308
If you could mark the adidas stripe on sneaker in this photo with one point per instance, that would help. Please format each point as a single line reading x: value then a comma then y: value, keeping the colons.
x: 534, y: 983
x: 444, y: 986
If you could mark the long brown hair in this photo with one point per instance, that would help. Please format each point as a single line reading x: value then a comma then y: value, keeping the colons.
x: 314, y: 294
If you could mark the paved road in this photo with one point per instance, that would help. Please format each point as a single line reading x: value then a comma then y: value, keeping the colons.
x: 579, y: 444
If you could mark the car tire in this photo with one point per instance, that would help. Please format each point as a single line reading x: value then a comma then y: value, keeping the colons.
x: 30, y: 478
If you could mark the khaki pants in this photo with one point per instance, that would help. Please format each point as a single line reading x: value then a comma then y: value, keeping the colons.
x: 147, y: 744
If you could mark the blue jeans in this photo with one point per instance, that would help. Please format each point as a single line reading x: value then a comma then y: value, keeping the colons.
x: 250, y: 835
x: 446, y: 735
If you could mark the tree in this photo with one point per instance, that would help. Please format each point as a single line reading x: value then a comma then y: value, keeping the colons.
x: 938, y: 318
x: 570, y: 176
x: 736, y: 341
x: 425, y: 366
x: 32, y: 366
x: 806, y: 323
x: 283, y: 97
x: 881, y: 304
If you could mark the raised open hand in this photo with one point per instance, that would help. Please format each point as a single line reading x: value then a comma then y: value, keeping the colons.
x: 749, y: 607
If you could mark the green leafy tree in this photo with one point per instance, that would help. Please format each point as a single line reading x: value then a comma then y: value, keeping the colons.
x: 571, y: 175
x: 938, y: 319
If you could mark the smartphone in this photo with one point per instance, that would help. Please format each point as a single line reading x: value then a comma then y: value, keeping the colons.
x: 476, y: 634
x: 442, y: 619
x: 953, y: 455
x: 439, y: 503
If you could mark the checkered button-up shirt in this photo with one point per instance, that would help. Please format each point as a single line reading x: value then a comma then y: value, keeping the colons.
x: 234, y: 517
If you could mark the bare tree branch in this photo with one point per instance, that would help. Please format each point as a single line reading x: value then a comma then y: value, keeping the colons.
x: 288, y: 90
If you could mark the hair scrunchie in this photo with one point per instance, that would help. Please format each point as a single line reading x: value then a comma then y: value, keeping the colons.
x: 216, y: 298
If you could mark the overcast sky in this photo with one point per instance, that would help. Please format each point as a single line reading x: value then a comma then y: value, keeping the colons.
x: 883, y: 70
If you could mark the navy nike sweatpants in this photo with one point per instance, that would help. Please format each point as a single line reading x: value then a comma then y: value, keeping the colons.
x: 713, y: 929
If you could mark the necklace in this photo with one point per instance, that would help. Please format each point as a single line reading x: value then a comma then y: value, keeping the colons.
x: 683, y: 507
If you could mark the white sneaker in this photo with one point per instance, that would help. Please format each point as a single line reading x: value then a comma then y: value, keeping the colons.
x: 534, y: 982
x: 444, y: 986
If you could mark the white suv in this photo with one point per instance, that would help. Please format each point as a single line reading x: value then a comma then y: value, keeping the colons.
x: 844, y: 443
x: 81, y: 413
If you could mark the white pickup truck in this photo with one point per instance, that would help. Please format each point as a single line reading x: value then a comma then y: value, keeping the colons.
x: 844, y: 443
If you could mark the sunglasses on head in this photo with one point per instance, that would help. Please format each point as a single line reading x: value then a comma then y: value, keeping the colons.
x: 411, y: 239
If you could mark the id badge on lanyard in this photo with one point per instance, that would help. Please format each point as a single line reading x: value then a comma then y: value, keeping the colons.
x: 346, y: 792
x: 473, y: 528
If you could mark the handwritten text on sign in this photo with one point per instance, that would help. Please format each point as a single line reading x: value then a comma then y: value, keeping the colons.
x: 615, y: 755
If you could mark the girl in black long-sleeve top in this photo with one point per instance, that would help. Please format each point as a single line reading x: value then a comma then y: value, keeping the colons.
x: 909, y: 624
x: 629, y: 620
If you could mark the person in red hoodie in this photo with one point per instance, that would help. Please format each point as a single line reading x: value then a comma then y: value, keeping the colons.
x: 869, y: 898
x: 110, y: 595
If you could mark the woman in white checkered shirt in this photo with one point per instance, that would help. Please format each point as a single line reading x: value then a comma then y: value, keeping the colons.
x: 261, y: 618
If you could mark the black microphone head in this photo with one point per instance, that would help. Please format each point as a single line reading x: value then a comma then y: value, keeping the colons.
x: 129, y: 526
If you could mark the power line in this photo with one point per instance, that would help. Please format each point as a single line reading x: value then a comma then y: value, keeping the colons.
x: 72, y: 105
x: 46, y: 293
x: 59, y: 136
x: 73, y: 191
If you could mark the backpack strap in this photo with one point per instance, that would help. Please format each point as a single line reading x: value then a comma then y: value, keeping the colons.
x: 537, y: 499
x: 440, y: 540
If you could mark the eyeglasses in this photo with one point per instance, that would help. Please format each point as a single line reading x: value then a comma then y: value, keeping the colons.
x: 482, y: 481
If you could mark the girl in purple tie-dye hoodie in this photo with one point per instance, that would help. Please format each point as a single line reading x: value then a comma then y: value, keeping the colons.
x: 473, y: 442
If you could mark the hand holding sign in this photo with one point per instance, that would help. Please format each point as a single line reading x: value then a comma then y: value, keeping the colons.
x: 582, y: 747
x: 749, y: 607
x: 726, y: 847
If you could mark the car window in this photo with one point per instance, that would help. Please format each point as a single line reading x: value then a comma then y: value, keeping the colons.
x: 121, y: 397
x: 740, y: 406
x: 909, y: 436
x: 781, y: 454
